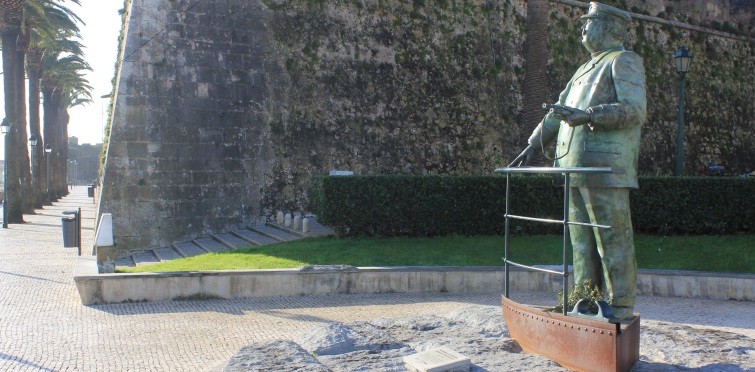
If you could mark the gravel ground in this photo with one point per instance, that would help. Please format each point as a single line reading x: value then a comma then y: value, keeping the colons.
x: 478, y: 332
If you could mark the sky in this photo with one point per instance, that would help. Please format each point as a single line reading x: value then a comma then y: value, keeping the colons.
x: 99, y: 35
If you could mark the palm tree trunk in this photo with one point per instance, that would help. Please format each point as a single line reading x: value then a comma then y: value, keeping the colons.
x: 38, y: 164
x: 13, y: 201
x: 27, y: 196
x: 52, y: 105
x: 50, y: 113
x: 63, y: 160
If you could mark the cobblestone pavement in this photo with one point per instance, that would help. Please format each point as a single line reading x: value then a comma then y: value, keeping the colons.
x: 43, y: 325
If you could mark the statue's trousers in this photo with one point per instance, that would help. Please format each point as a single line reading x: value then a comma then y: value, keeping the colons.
x: 605, y: 256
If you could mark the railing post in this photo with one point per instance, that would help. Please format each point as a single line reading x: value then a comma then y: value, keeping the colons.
x: 566, y: 242
x: 506, y: 240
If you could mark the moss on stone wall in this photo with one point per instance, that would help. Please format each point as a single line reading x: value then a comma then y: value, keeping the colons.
x: 392, y: 87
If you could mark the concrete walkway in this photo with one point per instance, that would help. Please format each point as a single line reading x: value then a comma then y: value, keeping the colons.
x: 43, y: 325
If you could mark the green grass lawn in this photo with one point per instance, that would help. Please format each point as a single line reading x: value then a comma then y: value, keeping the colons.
x: 730, y: 253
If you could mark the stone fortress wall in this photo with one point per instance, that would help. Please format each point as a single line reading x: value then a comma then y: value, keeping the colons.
x: 224, y: 109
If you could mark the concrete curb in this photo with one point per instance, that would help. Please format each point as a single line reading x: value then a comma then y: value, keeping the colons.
x: 95, y: 288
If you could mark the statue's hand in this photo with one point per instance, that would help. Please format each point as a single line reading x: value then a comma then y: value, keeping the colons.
x: 572, y: 116
x: 578, y: 117
x: 524, y: 158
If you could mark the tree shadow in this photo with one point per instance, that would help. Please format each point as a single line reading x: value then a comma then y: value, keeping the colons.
x: 24, y: 362
x: 275, y: 306
x: 35, y: 277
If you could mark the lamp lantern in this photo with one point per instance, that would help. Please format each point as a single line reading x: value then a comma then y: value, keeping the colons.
x: 5, y: 126
x: 682, y: 60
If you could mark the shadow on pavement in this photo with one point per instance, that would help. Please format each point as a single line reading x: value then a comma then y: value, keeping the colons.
x: 24, y: 362
x: 273, y: 305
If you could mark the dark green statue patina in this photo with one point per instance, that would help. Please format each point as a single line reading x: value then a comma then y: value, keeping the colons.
x: 596, y: 123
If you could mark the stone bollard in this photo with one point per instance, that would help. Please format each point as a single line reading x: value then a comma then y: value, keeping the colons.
x: 279, y: 218
x: 287, y: 221
x: 305, y: 225
x: 297, y: 222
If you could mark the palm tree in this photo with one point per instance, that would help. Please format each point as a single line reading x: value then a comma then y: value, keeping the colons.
x: 52, y: 30
x: 11, y: 18
x: 63, y: 86
x: 23, y: 22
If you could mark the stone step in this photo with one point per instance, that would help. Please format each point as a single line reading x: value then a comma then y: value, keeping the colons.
x: 231, y: 241
x: 273, y: 233
x: 258, y: 234
x: 189, y: 249
x: 315, y: 228
x: 145, y: 258
x: 253, y: 237
x: 167, y: 254
x: 127, y: 261
x: 211, y: 245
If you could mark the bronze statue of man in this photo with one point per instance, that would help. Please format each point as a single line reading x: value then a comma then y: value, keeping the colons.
x: 596, y: 123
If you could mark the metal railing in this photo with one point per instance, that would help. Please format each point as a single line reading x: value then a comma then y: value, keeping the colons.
x: 508, y: 171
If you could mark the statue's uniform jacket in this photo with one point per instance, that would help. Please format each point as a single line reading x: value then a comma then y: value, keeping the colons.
x: 612, y: 85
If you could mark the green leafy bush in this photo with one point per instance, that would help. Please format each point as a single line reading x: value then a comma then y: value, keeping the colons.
x: 400, y: 205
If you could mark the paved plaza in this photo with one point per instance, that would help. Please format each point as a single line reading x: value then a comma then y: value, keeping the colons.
x: 44, y: 326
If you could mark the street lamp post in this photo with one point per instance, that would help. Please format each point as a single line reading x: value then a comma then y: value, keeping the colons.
x: 72, y: 172
x: 48, y: 152
x: 5, y: 128
x: 33, y: 140
x: 75, y: 172
x: 682, y: 60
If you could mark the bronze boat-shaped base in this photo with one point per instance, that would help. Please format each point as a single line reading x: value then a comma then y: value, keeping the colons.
x: 573, y: 342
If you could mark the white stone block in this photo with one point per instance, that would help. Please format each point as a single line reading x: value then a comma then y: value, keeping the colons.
x: 287, y: 220
x: 297, y: 222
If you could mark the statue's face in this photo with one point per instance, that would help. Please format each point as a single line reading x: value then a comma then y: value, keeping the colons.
x: 593, y: 35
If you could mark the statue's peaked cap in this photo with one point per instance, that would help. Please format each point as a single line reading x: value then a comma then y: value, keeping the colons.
x: 598, y: 10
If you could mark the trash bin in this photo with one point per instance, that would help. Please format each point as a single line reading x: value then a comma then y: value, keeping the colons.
x: 90, y: 191
x: 70, y: 233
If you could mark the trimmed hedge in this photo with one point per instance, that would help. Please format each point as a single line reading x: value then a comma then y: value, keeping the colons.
x: 399, y: 205
x: 694, y: 205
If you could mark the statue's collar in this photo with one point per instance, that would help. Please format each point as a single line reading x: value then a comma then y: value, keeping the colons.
x: 603, y: 52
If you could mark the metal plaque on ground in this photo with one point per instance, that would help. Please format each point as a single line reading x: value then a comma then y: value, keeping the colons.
x: 437, y: 360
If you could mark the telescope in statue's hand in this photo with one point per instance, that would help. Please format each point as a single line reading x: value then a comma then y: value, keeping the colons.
x: 561, y: 112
